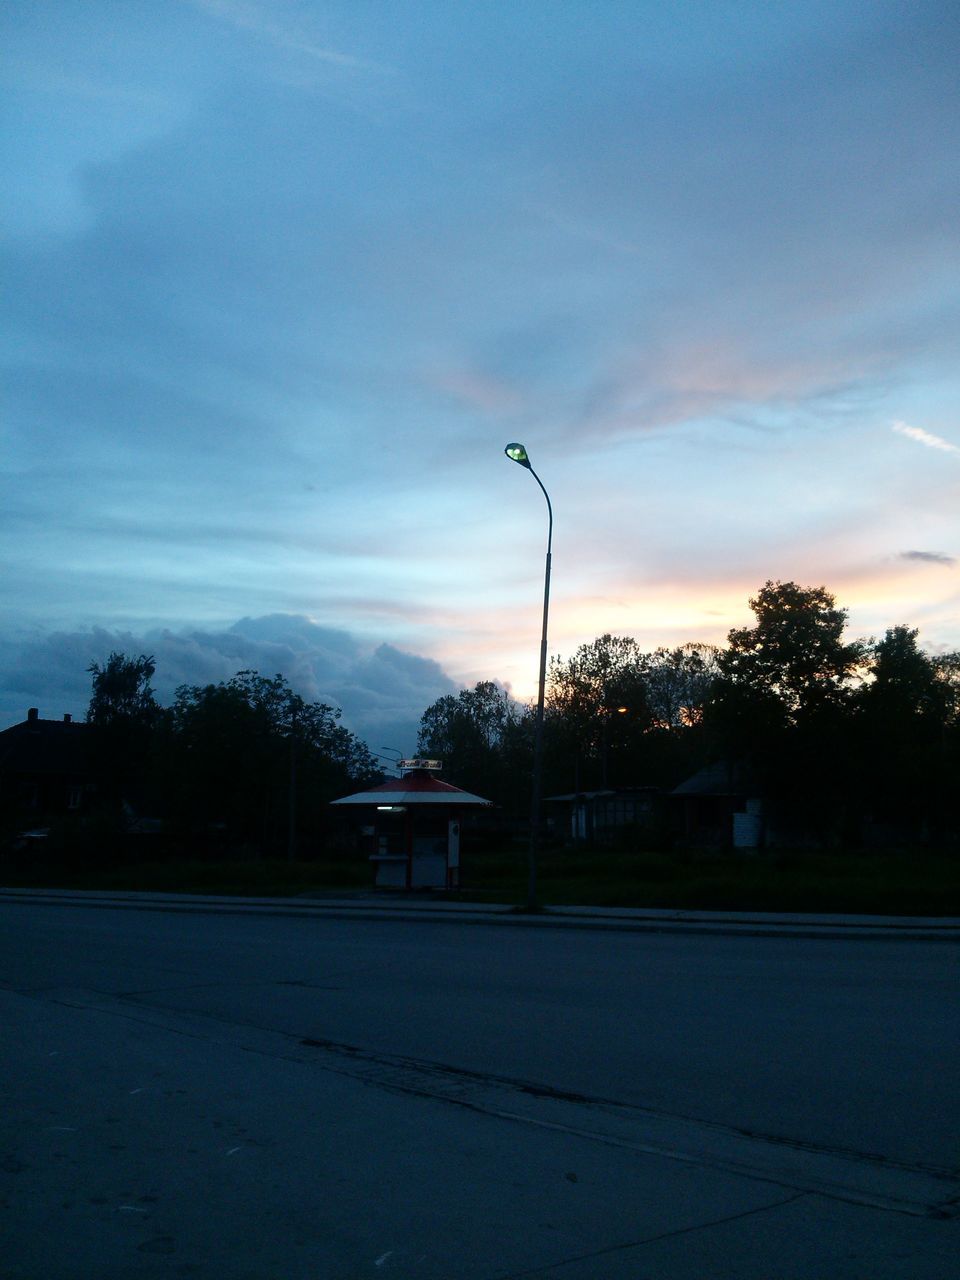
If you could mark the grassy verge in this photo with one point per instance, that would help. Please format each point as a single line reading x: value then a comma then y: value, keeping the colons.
x: 884, y: 883
x: 266, y: 878
x: 887, y: 883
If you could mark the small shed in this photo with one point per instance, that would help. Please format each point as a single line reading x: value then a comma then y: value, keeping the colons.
x: 600, y: 816
x: 722, y: 805
x: 412, y: 831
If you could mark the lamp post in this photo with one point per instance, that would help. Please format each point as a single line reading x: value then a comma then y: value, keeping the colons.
x: 517, y: 453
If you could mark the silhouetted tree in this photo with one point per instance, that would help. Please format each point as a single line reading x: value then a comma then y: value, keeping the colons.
x: 252, y: 759
x: 678, y: 684
x: 782, y: 703
x: 795, y: 654
x: 835, y: 729
x: 483, y: 737
x: 907, y: 711
x: 947, y: 668
x: 121, y: 690
x: 617, y: 716
x: 596, y: 710
x: 124, y: 714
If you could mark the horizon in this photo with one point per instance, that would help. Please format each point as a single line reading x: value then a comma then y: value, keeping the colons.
x: 382, y: 691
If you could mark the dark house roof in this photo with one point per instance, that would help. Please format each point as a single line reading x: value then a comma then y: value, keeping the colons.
x: 38, y: 747
x: 725, y: 778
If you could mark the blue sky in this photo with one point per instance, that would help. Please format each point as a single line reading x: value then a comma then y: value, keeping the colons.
x: 282, y: 279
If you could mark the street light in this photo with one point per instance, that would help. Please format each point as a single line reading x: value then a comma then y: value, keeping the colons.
x: 517, y: 453
x: 606, y: 715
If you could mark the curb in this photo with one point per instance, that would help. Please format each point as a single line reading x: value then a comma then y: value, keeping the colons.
x: 597, y: 919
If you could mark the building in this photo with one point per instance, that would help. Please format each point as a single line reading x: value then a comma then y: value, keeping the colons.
x: 720, y: 806
x: 601, y: 817
x: 411, y: 827
x: 45, y: 768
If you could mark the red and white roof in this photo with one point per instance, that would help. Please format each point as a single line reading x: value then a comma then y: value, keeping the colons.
x: 418, y: 787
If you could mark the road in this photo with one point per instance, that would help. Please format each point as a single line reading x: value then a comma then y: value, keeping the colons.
x: 277, y: 1098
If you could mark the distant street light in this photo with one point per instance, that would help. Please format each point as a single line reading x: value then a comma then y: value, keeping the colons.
x: 517, y: 453
x: 606, y: 714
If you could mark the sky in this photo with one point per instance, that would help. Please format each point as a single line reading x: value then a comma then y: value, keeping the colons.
x: 282, y: 279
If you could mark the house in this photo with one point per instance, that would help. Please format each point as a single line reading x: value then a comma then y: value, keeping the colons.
x: 45, y: 767
x: 600, y: 816
x: 720, y: 805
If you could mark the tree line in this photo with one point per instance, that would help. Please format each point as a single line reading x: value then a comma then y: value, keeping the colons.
x: 843, y: 737
x: 846, y: 739
x: 246, y: 764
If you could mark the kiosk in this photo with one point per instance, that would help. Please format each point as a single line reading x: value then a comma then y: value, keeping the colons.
x: 414, y: 830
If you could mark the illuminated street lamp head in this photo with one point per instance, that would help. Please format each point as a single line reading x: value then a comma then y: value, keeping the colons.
x: 517, y: 453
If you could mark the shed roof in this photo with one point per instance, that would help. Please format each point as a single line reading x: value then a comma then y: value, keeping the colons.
x: 725, y: 778
x: 624, y: 793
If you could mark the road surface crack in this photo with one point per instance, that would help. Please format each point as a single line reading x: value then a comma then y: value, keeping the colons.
x: 663, y: 1235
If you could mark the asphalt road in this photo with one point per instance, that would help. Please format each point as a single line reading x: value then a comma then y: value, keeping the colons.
x: 278, y: 1098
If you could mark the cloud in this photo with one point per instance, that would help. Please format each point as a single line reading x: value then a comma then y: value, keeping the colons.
x: 928, y: 557
x: 382, y: 690
x: 248, y: 17
x: 475, y: 390
x: 925, y: 437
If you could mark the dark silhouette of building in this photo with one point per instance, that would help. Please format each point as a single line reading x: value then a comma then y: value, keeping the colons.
x: 604, y: 817
x: 45, y: 767
x: 720, y: 806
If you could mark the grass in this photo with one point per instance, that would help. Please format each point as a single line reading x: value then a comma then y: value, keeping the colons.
x: 887, y: 883
x: 868, y: 882
x: 266, y: 878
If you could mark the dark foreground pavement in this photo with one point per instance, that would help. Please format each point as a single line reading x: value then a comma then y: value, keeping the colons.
x: 335, y: 1092
x: 437, y: 908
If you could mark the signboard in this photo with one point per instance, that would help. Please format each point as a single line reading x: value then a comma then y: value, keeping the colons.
x: 418, y: 763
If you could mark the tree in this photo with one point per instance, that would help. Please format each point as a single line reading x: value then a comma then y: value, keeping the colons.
x: 481, y: 735
x: 678, y: 683
x: 946, y: 667
x: 124, y: 714
x: 617, y: 716
x: 596, y: 709
x: 906, y: 711
x: 795, y: 655
x: 475, y: 718
x: 782, y: 705
x: 904, y: 679
x: 597, y: 678
x: 257, y: 762
x: 121, y: 690
x: 314, y: 724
